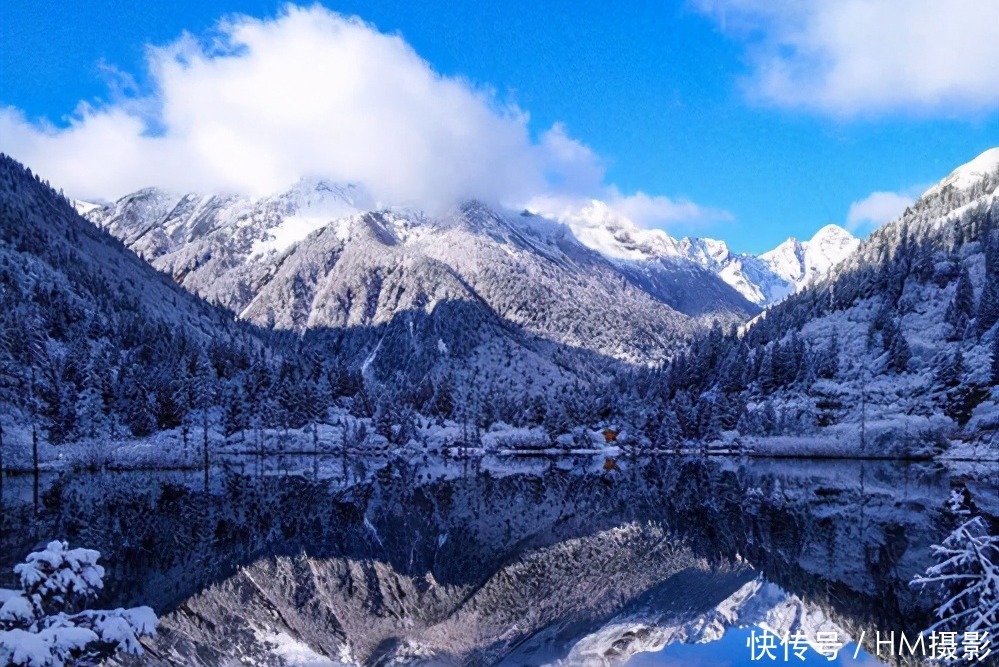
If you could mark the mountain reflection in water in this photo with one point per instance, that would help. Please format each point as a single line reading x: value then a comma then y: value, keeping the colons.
x: 504, y: 561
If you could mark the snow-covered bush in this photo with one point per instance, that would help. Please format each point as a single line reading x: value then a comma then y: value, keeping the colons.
x: 966, y: 578
x: 46, y: 624
x: 503, y: 436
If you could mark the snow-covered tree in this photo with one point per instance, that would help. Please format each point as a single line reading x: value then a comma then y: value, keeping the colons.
x: 994, y: 375
x: 899, y: 353
x: 962, y: 306
x: 46, y: 623
x: 988, y: 304
x: 966, y: 578
x: 827, y: 358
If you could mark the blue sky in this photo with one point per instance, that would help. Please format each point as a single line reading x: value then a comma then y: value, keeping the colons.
x: 734, y: 120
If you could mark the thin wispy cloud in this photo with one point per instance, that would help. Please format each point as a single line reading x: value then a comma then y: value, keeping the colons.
x: 868, y: 57
x: 261, y: 103
x: 878, y: 208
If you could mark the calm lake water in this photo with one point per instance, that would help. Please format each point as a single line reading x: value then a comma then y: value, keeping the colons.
x: 668, y: 561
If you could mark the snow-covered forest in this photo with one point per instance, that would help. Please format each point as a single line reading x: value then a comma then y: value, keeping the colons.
x: 893, y: 353
x: 446, y: 370
x: 889, y: 354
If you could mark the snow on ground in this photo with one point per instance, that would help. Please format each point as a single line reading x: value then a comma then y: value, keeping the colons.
x: 292, y: 652
x: 292, y: 229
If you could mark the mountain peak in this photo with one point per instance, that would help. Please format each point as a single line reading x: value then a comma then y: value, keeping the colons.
x: 787, y: 260
x: 972, y: 172
x: 709, y: 253
x: 828, y: 247
x: 317, y: 196
x: 601, y: 227
x: 800, y: 262
x: 831, y: 231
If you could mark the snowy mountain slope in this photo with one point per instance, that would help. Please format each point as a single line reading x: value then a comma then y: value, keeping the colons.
x: 894, y: 350
x: 401, y: 313
x: 755, y: 603
x: 93, y: 340
x: 206, y: 242
x: 598, y: 226
x: 763, y: 280
x: 46, y: 245
x: 752, y: 277
x: 769, y: 278
x: 799, y: 263
x: 968, y: 175
x: 357, y: 267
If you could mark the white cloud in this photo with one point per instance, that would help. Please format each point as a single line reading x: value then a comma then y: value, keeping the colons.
x: 635, y: 211
x: 868, y: 56
x: 877, y: 208
x: 309, y: 93
x: 270, y: 101
x: 658, y: 211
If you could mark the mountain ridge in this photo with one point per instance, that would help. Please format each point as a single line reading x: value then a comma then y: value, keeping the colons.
x: 532, y: 271
x: 895, y: 350
x: 763, y: 279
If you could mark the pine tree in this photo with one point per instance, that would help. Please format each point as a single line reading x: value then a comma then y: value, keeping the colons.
x: 669, y: 433
x: 961, y: 308
x: 827, y: 359
x: 988, y: 304
x: 899, y: 353
x: 183, y: 397
x: 950, y: 368
x: 46, y: 621
x: 442, y: 402
x: 90, y: 411
x: 767, y: 377
x: 995, y: 361
x: 235, y: 411
x: 203, y: 388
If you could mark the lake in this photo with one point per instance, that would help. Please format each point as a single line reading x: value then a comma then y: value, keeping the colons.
x: 666, y: 561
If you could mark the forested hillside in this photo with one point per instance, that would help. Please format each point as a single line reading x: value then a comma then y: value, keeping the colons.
x: 96, y: 344
x: 98, y: 347
x: 894, y: 352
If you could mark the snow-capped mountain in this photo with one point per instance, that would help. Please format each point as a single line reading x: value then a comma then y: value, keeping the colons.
x: 321, y: 257
x: 763, y: 280
x: 757, y: 603
x: 970, y: 174
x: 206, y: 242
x: 600, y: 227
x: 894, y: 348
x: 90, y: 335
x: 752, y: 277
x: 799, y: 263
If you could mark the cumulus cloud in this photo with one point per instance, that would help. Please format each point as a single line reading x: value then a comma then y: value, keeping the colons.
x: 868, y: 56
x: 268, y: 101
x: 261, y: 103
x: 877, y: 208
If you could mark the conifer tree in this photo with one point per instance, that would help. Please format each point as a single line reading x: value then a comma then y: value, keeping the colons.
x: 988, y: 304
